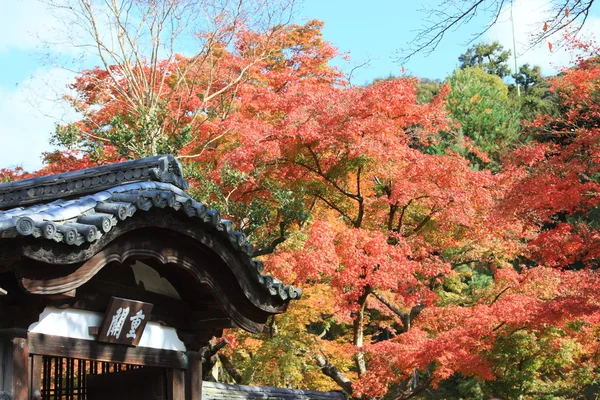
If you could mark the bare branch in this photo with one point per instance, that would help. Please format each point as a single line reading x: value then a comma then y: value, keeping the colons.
x: 449, y: 15
x: 136, y: 43
x: 500, y: 294
x: 276, y: 242
x: 406, y: 318
x: 430, y: 37
x: 334, y: 373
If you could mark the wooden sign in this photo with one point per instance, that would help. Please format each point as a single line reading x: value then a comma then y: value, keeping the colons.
x: 124, y: 321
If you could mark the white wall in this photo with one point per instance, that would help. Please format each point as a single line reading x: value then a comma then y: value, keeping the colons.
x: 74, y: 324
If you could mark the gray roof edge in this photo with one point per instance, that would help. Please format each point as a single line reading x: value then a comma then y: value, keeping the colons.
x: 268, y: 392
x: 161, y: 168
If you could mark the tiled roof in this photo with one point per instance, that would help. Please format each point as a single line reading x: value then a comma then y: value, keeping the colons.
x: 61, y: 208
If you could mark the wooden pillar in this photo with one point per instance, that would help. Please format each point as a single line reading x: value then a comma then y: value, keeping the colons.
x: 20, y: 378
x: 193, y: 376
x: 5, y: 368
x: 14, y: 368
x: 175, y: 384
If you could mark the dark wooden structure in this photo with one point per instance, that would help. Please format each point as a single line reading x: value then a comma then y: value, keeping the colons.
x: 75, y: 243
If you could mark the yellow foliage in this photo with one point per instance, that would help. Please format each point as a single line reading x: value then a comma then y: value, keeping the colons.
x: 475, y: 98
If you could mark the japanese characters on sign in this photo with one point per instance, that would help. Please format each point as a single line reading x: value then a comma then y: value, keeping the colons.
x: 124, y: 321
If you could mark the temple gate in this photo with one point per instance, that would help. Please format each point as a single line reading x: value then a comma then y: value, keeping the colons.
x: 112, y: 280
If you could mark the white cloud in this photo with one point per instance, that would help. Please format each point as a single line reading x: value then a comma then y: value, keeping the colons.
x: 28, y: 115
x: 529, y: 16
x: 50, y: 31
x: 30, y: 109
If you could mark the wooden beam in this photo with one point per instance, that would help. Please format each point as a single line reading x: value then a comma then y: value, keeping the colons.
x: 236, y: 285
x: 103, y: 290
x: 96, y: 294
x: 89, y: 350
x: 67, y: 295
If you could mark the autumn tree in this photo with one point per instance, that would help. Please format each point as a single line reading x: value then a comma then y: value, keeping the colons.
x: 563, y: 156
x: 428, y: 89
x: 379, y: 226
x: 554, y: 195
x: 415, y: 268
x: 388, y: 210
x: 334, y: 173
x: 9, y: 174
x: 148, y: 99
x: 380, y: 213
x: 144, y: 98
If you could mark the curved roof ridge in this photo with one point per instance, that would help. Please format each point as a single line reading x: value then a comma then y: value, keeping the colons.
x: 162, y: 168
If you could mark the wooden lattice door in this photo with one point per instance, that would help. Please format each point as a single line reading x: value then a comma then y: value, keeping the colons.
x: 146, y: 383
x: 65, y: 378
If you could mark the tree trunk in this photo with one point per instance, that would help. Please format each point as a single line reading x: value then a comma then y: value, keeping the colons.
x: 359, y: 333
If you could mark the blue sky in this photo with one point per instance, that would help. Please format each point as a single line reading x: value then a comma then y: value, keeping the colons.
x: 370, y: 31
x: 376, y: 31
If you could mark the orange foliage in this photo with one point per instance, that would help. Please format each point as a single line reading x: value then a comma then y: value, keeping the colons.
x: 387, y: 218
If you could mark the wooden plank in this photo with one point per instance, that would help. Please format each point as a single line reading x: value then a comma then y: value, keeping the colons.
x: 20, y: 378
x: 193, y: 376
x: 89, y: 350
x: 36, y: 377
x: 176, y: 384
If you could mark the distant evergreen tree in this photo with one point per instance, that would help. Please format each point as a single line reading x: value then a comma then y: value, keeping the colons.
x: 536, y: 97
x: 491, y: 57
x: 479, y: 102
